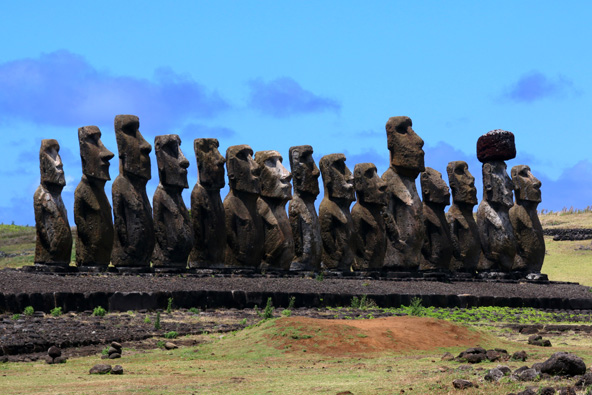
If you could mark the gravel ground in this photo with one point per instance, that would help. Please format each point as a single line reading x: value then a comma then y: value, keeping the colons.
x: 16, y: 281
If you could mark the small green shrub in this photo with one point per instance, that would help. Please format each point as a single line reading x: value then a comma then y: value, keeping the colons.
x: 56, y: 312
x: 320, y: 276
x: 194, y: 310
x: 157, y: 322
x: 29, y: 310
x: 99, y: 311
x: 416, y: 307
x: 147, y: 320
x: 243, y: 321
x: 362, y: 303
x: 171, y: 335
x: 292, y: 303
x: 268, y: 311
x: 169, y: 308
x: 160, y: 344
x: 15, y: 317
x: 286, y: 313
x: 105, y: 351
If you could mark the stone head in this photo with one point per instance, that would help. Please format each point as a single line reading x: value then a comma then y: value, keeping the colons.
x: 133, y: 149
x: 50, y: 163
x: 337, y: 178
x: 527, y: 186
x: 210, y: 163
x: 497, y: 185
x: 243, y: 171
x: 274, y: 177
x: 405, y: 147
x: 305, y: 172
x: 172, y: 164
x: 94, y: 155
x: 370, y: 188
x: 462, y: 183
x: 434, y: 188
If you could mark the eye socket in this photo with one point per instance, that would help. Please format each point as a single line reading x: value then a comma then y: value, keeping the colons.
x: 171, y: 149
x: 340, y: 166
x: 369, y: 173
x: 460, y: 170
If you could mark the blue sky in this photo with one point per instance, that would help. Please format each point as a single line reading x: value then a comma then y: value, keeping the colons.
x: 276, y: 74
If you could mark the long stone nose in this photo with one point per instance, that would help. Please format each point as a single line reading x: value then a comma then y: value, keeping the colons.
x: 285, y: 175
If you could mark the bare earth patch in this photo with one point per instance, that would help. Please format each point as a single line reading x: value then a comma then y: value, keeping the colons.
x: 346, y: 337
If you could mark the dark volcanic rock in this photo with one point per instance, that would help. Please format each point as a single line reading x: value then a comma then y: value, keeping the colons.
x: 100, y: 369
x: 496, y: 145
x: 304, y: 220
x: 53, y: 242
x: 54, y: 352
x: 117, y: 369
x: 92, y: 210
x: 564, y: 364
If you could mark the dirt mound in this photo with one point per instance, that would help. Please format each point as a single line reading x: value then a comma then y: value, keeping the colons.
x: 345, y: 337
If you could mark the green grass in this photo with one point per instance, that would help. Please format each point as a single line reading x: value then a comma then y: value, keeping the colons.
x: 568, y: 261
x: 247, y: 362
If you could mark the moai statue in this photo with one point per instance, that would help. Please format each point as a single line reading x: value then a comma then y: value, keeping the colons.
x: 493, y: 219
x: 92, y: 210
x: 53, y: 244
x: 404, y: 211
x: 244, y: 226
x: 525, y: 221
x: 276, y: 190
x: 207, y: 211
x: 367, y: 217
x: 337, y: 227
x: 463, y: 228
x: 306, y: 229
x: 134, y: 229
x: 437, y: 248
x: 172, y: 225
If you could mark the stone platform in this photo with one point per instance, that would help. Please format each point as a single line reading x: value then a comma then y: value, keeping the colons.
x: 208, y: 289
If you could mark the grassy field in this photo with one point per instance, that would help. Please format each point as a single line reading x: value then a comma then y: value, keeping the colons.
x: 276, y: 357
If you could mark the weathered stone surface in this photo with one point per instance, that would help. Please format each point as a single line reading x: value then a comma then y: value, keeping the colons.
x: 172, y: 224
x: 494, y: 375
x: 304, y: 220
x: 134, y: 228
x: 525, y: 221
x: 53, y: 243
x: 337, y: 228
x: 495, y: 146
x: 367, y: 216
x: 54, y: 352
x: 117, y: 369
x: 244, y: 226
x: 207, y: 211
x: 461, y: 384
x: 114, y: 355
x: 493, y: 219
x: 520, y: 356
x: 528, y: 375
x: 537, y: 340
x: 170, y: 346
x: 276, y: 190
x: 60, y: 359
x: 438, y: 248
x: 92, y: 210
x: 463, y: 228
x: 100, y: 369
x: 564, y: 364
x: 404, y: 212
